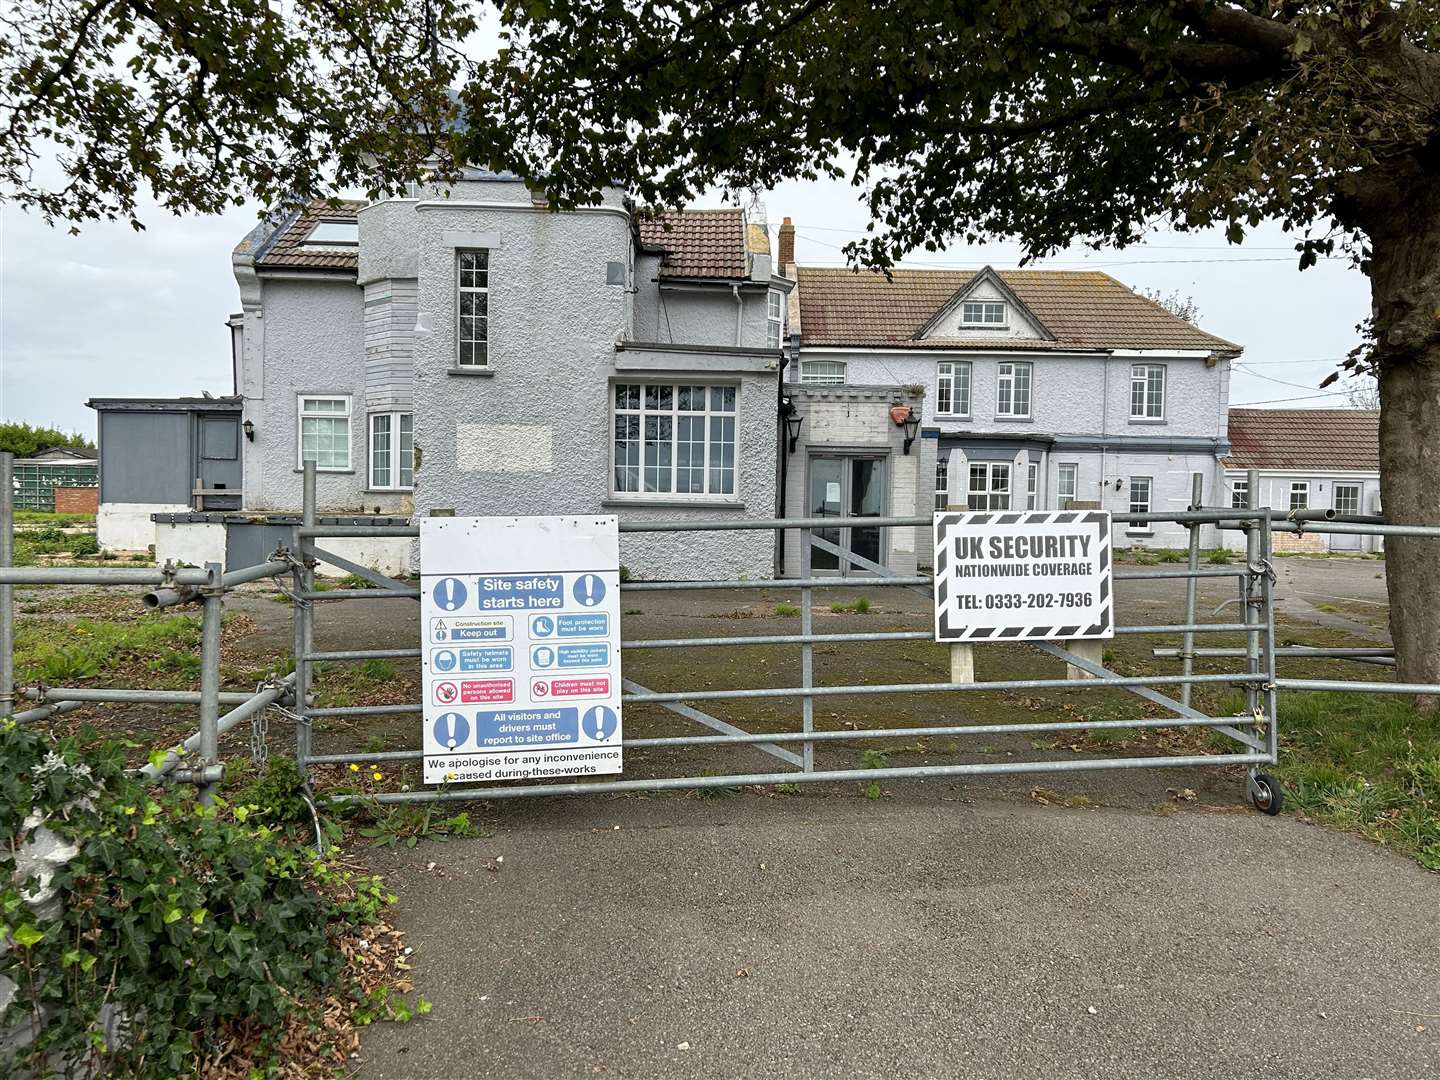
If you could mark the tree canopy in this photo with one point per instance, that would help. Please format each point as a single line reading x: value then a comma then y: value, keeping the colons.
x: 23, y: 440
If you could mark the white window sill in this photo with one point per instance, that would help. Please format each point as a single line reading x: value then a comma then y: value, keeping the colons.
x: 1000, y: 419
x: 456, y: 369
x: 330, y: 472
x: 1147, y: 420
x: 984, y: 326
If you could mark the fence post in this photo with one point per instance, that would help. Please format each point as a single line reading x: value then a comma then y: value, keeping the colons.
x: 807, y: 652
x: 1250, y: 591
x: 304, y: 582
x: 7, y: 592
x: 213, y: 602
x: 1197, y: 500
x: 962, y: 662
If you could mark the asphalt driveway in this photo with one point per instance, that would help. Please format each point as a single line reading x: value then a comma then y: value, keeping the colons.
x: 921, y: 935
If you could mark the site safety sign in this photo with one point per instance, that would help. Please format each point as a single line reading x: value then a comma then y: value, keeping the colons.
x: 520, y: 640
x: 1032, y: 575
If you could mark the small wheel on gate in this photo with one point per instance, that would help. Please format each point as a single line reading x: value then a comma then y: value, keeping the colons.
x: 1265, y: 794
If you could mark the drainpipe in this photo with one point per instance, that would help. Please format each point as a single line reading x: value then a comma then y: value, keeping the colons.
x: 784, y: 449
x: 739, y: 314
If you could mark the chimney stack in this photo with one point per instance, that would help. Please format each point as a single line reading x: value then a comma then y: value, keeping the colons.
x: 786, y: 257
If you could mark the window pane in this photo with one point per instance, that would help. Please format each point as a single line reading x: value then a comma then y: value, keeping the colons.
x: 407, y: 450
x: 722, y: 452
x: 692, y: 398
x: 659, y: 452
x: 380, y: 451
x: 962, y: 389
x: 627, y: 453
x: 627, y: 395
x: 690, y: 454
x: 722, y: 399
x: 1239, y: 494
x: 942, y: 482
x: 822, y: 371
x: 325, y: 440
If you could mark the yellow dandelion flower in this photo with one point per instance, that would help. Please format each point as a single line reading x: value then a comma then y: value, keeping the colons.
x: 354, y: 767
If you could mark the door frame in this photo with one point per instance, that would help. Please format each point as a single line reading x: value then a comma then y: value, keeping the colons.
x: 1347, y: 541
x: 848, y: 454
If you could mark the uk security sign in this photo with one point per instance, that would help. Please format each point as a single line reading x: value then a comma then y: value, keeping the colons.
x: 521, y: 647
x: 1040, y: 574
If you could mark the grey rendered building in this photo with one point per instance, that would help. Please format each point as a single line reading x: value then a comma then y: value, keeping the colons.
x: 1033, y: 389
x: 472, y: 352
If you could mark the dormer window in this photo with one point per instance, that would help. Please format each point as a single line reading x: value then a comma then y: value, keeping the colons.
x: 334, y: 234
x: 984, y: 313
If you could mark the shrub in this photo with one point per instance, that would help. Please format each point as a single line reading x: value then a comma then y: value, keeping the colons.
x: 84, y: 545
x: 191, y: 924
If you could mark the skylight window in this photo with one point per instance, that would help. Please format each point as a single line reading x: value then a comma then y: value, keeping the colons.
x: 334, y: 234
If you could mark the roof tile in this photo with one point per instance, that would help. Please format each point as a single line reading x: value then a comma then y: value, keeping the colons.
x: 1304, y: 438
x: 1084, y: 309
x: 698, y: 243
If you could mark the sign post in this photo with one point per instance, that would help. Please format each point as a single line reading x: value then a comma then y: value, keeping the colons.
x: 1027, y: 576
x: 520, y: 642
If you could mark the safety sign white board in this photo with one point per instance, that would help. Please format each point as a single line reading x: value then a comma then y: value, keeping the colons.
x: 1032, y: 575
x: 520, y: 645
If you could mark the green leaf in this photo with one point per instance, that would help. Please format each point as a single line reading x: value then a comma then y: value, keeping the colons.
x: 197, y: 916
x: 172, y: 915
x: 27, y: 936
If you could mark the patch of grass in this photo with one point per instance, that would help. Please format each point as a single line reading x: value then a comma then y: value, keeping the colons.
x: 1364, y: 762
x: 874, y: 759
x: 1171, y: 555
x: 378, y: 670
x: 1217, y: 557
x: 51, y: 517
x: 1328, y: 608
x: 720, y: 791
x: 61, y: 653
x: 353, y: 581
x: 859, y: 606
x: 1143, y: 557
x: 786, y: 610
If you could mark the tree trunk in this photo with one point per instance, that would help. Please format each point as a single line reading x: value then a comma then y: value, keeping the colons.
x: 1405, y: 289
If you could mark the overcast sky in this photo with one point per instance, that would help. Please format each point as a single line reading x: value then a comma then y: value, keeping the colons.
x: 114, y: 313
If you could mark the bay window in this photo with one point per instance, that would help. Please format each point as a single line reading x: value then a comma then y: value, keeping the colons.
x: 392, y: 451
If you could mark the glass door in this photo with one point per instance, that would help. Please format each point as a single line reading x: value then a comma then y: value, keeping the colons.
x: 1347, y: 501
x: 847, y: 487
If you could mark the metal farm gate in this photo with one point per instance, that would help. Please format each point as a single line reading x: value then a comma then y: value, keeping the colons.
x: 1250, y: 737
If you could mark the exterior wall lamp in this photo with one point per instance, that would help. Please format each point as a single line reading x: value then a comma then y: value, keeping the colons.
x: 249, y: 426
x: 793, y: 419
x: 911, y: 423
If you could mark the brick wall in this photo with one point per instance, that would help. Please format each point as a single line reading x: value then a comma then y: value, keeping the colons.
x: 1290, y: 542
x: 77, y: 500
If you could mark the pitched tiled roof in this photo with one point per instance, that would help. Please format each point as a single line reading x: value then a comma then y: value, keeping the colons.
x: 287, y: 247
x: 698, y: 243
x: 1304, y: 438
x: 1084, y: 309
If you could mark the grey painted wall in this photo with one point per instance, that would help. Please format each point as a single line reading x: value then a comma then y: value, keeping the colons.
x: 314, y: 343
x: 146, y: 457
x: 1071, y: 395
x: 533, y: 434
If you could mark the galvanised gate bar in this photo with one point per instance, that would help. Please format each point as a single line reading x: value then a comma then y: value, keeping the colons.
x: 1253, y: 733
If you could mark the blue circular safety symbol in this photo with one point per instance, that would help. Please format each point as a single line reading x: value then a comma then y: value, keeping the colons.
x: 599, y: 722
x: 542, y: 626
x: 451, y: 729
x: 450, y: 594
x: 542, y: 656
x: 589, y: 590
x: 444, y: 660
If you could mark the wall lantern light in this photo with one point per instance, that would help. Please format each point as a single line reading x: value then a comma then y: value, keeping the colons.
x: 793, y: 419
x: 249, y: 427
x: 911, y: 423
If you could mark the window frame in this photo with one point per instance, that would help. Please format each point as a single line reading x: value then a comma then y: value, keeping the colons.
x: 1062, y: 501
x: 985, y: 306
x: 774, y: 319
x: 1240, y: 494
x: 396, y: 450
x: 841, y: 364
x: 1149, y: 501
x: 1002, y: 377
x: 953, y: 374
x: 1299, y: 487
x: 328, y: 244
x: 942, y: 481
x: 301, y: 416
x: 1032, y: 484
x: 1355, y: 486
x: 991, y: 490
x: 675, y: 413
x: 1140, y: 375
x: 461, y: 290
